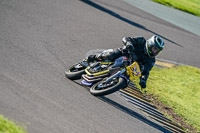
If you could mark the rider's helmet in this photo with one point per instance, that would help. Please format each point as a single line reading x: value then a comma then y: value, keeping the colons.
x: 154, y: 46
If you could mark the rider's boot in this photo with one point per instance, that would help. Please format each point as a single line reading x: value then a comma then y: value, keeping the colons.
x: 85, y: 62
x: 91, y: 58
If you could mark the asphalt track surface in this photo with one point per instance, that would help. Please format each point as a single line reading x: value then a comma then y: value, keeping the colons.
x: 40, y: 39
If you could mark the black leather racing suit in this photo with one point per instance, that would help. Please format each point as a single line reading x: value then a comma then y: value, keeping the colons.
x: 139, y: 49
x: 136, y: 47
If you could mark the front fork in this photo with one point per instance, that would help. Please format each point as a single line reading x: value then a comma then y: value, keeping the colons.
x: 118, y: 74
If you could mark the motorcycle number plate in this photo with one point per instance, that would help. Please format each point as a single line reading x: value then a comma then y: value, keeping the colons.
x: 134, y: 71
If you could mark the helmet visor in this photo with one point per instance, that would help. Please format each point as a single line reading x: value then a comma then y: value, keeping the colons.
x: 152, y: 49
x: 155, y: 51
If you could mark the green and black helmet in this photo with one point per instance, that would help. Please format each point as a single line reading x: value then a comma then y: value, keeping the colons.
x: 154, y: 46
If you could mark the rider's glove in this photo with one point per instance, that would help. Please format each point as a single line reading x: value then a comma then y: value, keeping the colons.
x: 142, y: 83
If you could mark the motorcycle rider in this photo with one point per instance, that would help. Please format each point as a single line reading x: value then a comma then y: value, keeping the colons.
x: 143, y: 51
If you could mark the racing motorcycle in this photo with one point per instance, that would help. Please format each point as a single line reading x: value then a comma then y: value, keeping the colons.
x: 105, y: 77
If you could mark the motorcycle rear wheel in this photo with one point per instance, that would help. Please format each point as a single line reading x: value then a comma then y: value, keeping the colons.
x: 75, y: 72
x: 99, y: 89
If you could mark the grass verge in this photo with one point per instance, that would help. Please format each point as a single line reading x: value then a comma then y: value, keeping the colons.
x: 190, y: 6
x: 179, y: 88
x: 7, y: 126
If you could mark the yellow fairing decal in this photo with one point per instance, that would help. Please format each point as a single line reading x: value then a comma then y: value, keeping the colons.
x: 134, y: 71
x: 99, y: 73
x: 106, y: 62
x: 86, y: 70
x: 95, y: 74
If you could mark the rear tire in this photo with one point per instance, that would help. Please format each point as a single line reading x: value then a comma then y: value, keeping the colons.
x: 100, y: 91
x: 75, y: 73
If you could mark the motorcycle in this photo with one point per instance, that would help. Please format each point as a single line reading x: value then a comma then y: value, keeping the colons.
x: 105, y: 77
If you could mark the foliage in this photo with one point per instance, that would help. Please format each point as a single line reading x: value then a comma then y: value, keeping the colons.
x: 178, y: 87
x: 7, y: 126
x: 190, y: 6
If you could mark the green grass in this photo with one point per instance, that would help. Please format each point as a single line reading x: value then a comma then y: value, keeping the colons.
x: 190, y: 6
x: 7, y: 126
x: 178, y: 87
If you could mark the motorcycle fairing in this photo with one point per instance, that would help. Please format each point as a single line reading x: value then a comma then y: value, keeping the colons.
x: 98, y: 73
x: 84, y: 82
x: 120, y: 62
x: 134, y: 71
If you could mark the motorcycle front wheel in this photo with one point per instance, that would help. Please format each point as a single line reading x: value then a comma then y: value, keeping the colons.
x: 75, y: 72
x: 102, y: 88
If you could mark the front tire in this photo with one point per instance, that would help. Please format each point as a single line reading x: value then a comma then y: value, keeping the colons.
x: 99, y: 89
x: 75, y: 72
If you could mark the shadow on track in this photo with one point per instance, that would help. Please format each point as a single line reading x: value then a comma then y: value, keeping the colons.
x: 101, y: 8
x: 128, y: 111
x: 133, y: 114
